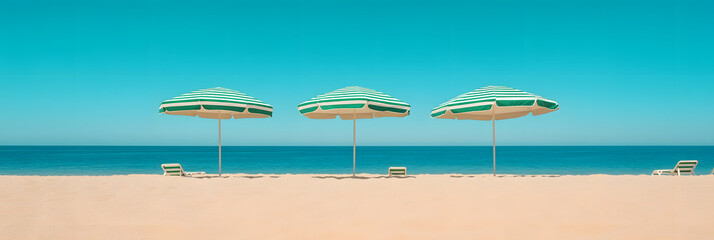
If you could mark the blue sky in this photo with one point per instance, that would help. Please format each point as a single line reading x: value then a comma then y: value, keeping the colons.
x: 94, y: 72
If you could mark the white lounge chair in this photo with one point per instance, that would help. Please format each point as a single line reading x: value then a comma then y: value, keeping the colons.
x: 397, y: 171
x: 175, y: 169
x: 682, y: 167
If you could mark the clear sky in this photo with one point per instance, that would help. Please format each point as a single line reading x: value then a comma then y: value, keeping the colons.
x: 94, y: 72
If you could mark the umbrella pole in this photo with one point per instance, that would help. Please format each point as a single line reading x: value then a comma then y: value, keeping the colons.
x: 354, y: 143
x: 493, y: 122
x: 219, y: 145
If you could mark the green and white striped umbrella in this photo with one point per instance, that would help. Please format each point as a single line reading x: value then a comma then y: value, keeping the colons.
x: 494, y: 103
x: 352, y: 103
x: 217, y: 103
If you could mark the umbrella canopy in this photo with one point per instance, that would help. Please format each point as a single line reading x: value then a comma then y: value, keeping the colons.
x: 217, y: 103
x: 352, y: 103
x: 494, y: 103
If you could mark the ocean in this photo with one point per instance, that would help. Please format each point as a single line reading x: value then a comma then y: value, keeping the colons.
x: 570, y: 160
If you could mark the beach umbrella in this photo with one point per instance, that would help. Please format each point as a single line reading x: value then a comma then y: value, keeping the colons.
x: 217, y: 103
x: 352, y: 103
x: 494, y: 103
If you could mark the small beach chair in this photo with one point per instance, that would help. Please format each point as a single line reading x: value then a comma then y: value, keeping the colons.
x: 175, y: 169
x: 397, y: 171
x: 682, y: 167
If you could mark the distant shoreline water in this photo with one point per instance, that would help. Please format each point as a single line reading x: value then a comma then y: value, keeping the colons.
x: 559, y: 160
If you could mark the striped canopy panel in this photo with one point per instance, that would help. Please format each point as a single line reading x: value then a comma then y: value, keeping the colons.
x: 685, y: 167
x: 353, y: 102
x: 215, y: 102
x: 494, y: 102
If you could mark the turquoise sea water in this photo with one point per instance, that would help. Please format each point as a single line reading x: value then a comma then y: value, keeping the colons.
x: 108, y: 160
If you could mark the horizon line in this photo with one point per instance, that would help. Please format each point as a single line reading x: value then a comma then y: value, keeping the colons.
x: 55, y: 145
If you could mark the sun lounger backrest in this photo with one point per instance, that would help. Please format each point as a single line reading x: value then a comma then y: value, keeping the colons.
x: 172, y: 169
x: 686, y: 166
x: 398, y: 171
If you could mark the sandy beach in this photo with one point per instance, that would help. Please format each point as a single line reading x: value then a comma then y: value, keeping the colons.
x: 368, y: 207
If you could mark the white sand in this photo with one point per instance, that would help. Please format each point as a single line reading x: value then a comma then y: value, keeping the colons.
x: 372, y: 207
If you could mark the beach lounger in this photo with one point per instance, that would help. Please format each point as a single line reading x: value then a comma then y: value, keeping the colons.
x: 397, y: 171
x: 682, y: 167
x: 175, y: 169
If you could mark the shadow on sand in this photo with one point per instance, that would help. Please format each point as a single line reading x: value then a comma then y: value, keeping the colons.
x: 249, y: 177
x: 258, y: 176
x: 359, y: 177
x: 209, y: 176
x: 503, y: 176
x: 225, y: 176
